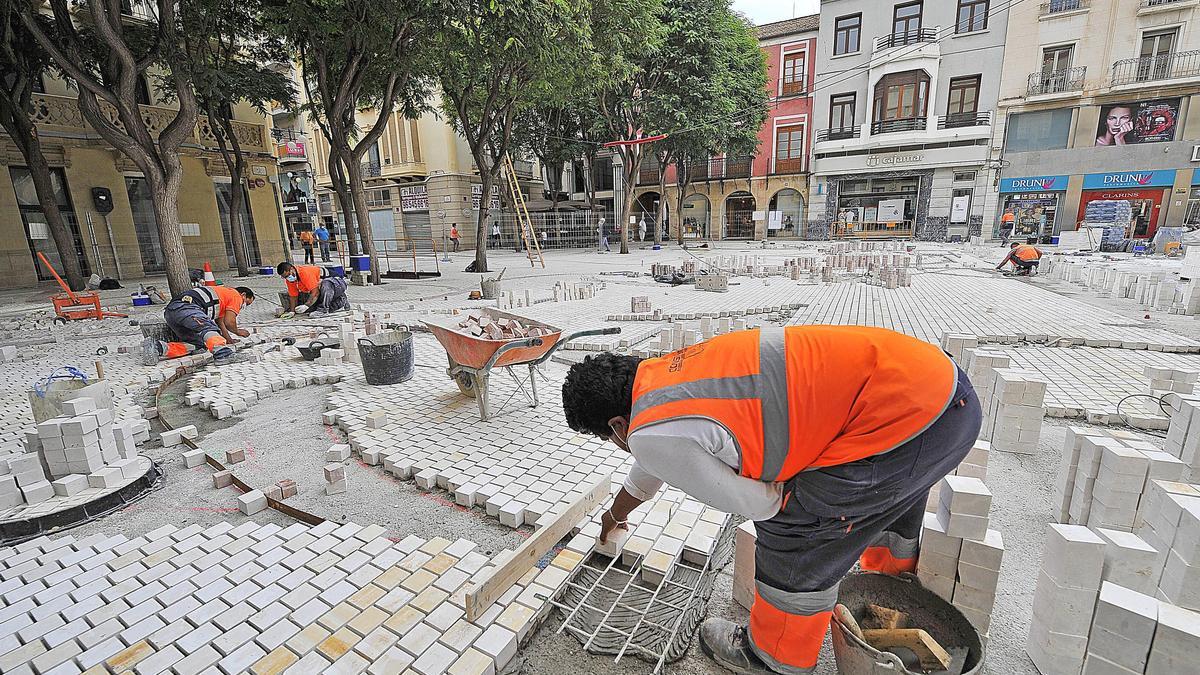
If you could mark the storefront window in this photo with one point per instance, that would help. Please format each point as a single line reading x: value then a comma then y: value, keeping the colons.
x: 861, y: 201
x: 1035, y: 213
x: 37, y: 230
x: 695, y: 217
x: 145, y: 224
x: 224, y: 198
x: 786, y: 214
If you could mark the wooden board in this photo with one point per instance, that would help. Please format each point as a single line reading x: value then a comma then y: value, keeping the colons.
x: 932, y: 656
x: 488, y: 589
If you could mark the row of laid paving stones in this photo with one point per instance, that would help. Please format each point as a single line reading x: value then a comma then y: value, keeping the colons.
x: 263, y: 599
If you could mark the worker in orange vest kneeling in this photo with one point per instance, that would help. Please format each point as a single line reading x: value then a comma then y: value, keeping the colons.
x: 1024, y: 258
x: 828, y: 437
x: 204, y: 317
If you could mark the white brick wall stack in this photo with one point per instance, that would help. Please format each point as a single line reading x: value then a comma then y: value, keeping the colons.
x: 1013, y: 422
x: 974, y: 465
x: 955, y: 344
x: 1183, y: 434
x: 1171, y: 380
x: 1122, y: 631
x: 1180, y: 581
x: 1159, y: 517
x: 980, y: 366
x: 1067, y: 588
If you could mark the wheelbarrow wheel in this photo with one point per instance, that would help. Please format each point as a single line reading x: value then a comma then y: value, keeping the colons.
x: 465, y: 381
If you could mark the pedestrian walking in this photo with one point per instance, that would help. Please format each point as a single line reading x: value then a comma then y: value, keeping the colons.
x: 454, y: 236
x: 322, y: 235
x: 642, y: 229
x: 1008, y: 222
x: 603, y: 235
x: 495, y: 236
x: 306, y: 243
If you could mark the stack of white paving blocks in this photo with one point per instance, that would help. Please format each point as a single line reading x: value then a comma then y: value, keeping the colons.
x: 80, y: 448
x: 1171, y: 380
x: 960, y: 557
x: 1013, y: 422
x: 957, y: 344
x: 1067, y: 588
x: 974, y: 465
x: 981, y: 365
x: 1183, y: 434
x: 1103, y: 477
x: 1122, y: 632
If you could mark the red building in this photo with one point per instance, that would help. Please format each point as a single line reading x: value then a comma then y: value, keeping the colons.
x: 764, y: 195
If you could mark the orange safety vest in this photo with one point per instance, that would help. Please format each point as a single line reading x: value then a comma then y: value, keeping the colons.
x: 1007, y: 218
x: 308, y: 279
x: 801, y: 396
x: 1027, y: 253
x: 214, y: 300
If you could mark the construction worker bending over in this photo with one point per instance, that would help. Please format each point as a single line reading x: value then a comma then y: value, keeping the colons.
x: 1024, y: 258
x: 204, y: 317
x: 828, y: 437
x: 312, y: 290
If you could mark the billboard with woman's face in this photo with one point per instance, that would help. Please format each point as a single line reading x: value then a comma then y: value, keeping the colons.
x: 1142, y: 122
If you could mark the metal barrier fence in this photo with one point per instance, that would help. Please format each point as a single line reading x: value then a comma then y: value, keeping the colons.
x: 872, y: 230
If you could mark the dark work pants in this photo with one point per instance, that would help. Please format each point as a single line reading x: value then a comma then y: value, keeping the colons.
x: 332, y: 296
x: 872, y: 508
x: 308, y: 254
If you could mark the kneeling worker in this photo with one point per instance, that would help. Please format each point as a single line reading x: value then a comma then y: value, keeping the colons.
x: 311, y: 289
x: 829, y: 437
x: 1023, y: 257
x: 204, y: 318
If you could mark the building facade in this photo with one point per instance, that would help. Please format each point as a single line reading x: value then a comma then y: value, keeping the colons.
x: 1102, y: 105
x: 760, y: 196
x: 904, y: 108
x: 124, y: 243
x: 420, y: 181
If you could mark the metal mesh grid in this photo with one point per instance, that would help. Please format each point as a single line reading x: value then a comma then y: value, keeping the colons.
x: 611, y: 609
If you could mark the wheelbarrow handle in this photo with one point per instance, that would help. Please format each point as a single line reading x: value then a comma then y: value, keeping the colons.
x: 508, y: 346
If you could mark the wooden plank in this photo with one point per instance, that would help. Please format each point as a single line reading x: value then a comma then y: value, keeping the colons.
x: 488, y: 589
x: 931, y: 654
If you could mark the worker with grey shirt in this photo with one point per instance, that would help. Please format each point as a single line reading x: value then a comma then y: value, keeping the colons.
x: 828, y: 437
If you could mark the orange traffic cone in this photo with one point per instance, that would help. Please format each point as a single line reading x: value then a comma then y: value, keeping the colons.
x: 209, y: 279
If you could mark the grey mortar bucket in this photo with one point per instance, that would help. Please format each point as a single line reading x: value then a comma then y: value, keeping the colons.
x: 489, y: 289
x: 387, y: 358
x: 925, y: 610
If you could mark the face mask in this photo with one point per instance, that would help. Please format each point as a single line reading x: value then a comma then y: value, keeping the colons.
x: 291, y: 277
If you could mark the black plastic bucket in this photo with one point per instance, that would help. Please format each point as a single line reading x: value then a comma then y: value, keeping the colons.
x: 387, y: 358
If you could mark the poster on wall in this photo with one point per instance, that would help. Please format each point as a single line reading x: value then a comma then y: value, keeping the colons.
x: 775, y: 221
x: 1142, y: 122
x: 959, y: 207
x: 891, y: 210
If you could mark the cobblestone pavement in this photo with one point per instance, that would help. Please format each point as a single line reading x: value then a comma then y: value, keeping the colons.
x: 240, y: 592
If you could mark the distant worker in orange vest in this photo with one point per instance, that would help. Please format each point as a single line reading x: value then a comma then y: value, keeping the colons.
x: 828, y: 437
x: 1008, y: 223
x: 312, y: 289
x: 306, y: 242
x: 204, y: 317
x: 1024, y: 258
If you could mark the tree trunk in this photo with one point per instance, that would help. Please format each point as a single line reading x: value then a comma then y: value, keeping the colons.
x: 236, y: 163
x: 164, y: 195
x: 362, y: 216
x: 337, y: 177
x: 662, y: 202
x: 555, y: 172
x: 64, y: 239
x: 682, y: 182
x: 629, y: 168
x: 487, y: 179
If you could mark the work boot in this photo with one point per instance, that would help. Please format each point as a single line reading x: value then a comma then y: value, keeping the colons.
x: 151, y: 351
x: 728, y: 644
x: 224, y: 354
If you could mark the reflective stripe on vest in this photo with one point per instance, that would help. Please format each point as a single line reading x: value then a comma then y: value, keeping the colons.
x: 800, y: 397
x: 205, y: 298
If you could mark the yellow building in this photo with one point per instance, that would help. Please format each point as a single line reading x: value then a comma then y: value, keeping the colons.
x: 124, y: 244
x: 420, y: 181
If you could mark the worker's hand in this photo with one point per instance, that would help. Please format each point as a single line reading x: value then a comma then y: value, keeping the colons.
x: 232, y: 340
x: 608, y: 524
x: 242, y: 332
x: 300, y: 309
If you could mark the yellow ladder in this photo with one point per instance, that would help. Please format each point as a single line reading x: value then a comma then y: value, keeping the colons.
x: 524, y: 222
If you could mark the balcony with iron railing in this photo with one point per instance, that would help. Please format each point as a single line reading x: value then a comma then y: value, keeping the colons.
x: 963, y: 120
x: 1174, y: 66
x: 282, y: 135
x: 836, y: 134
x: 648, y: 174
x: 896, y: 126
x: 370, y: 169
x: 912, y: 37
x: 1057, y: 81
x: 787, y: 165
x: 722, y: 168
x: 1055, y: 7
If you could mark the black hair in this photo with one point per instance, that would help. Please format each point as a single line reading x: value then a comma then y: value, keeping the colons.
x: 598, y: 389
x: 281, y: 268
x: 1014, y: 244
x: 246, y: 291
